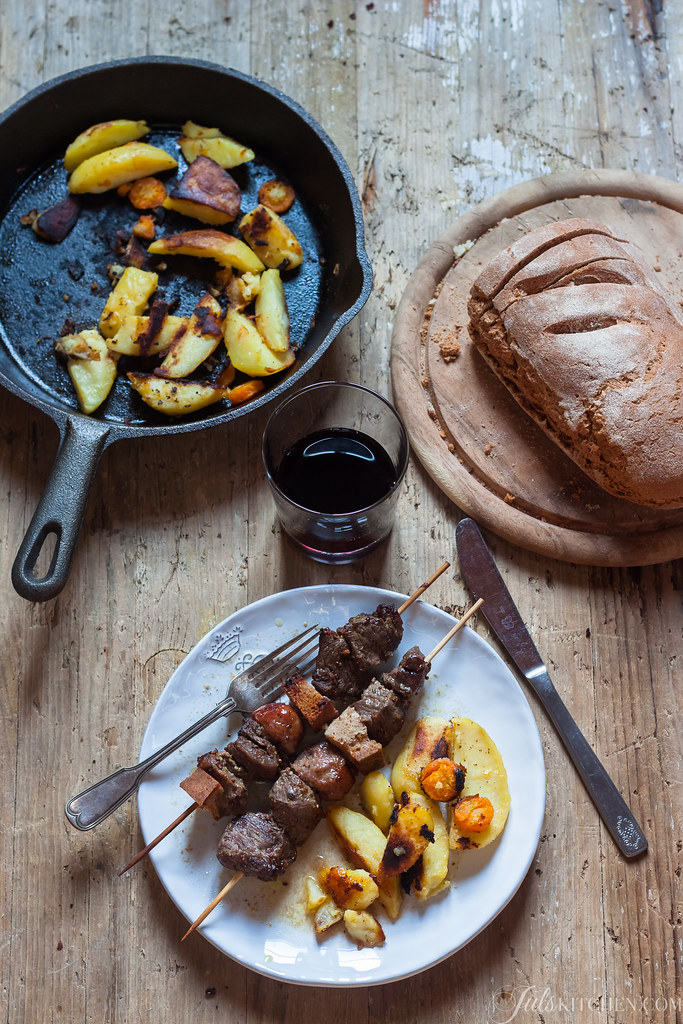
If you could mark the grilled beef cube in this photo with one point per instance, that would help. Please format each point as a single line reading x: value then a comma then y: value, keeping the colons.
x: 281, y: 724
x: 381, y: 712
x: 408, y: 677
x: 351, y: 737
x: 222, y: 768
x: 255, y: 844
x: 372, y: 637
x: 316, y: 709
x: 336, y: 674
x: 295, y: 806
x: 206, y: 792
x: 253, y: 750
x: 325, y: 770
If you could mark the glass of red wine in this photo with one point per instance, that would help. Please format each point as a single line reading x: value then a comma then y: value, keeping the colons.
x: 335, y: 454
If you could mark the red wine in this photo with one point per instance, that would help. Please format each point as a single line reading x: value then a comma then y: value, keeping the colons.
x: 335, y: 471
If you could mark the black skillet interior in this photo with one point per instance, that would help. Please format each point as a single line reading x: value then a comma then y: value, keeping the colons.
x: 44, y: 286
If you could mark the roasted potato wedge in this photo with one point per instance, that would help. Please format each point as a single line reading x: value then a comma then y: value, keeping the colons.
x: 131, y: 337
x: 113, y: 167
x: 247, y: 349
x: 315, y: 895
x: 486, y: 776
x: 429, y: 738
x: 363, y: 928
x: 209, y: 243
x: 129, y: 297
x: 327, y: 914
x: 242, y: 289
x: 272, y: 316
x: 192, y: 346
x: 206, y: 192
x: 429, y: 875
x: 100, y: 137
x: 175, y: 397
x: 198, y: 141
x: 91, y: 366
x: 363, y: 843
x: 377, y: 798
x: 268, y: 235
x: 410, y: 832
x: 350, y: 888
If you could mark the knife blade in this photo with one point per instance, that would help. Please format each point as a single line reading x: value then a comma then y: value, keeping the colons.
x: 484, y: 580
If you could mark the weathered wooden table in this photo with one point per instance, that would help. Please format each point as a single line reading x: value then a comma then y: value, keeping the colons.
x: 436, y: 106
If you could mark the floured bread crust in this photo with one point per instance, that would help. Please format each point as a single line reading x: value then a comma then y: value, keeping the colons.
x: 579, y: 329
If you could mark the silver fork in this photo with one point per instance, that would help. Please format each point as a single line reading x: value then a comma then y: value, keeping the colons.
x: 257, y: 685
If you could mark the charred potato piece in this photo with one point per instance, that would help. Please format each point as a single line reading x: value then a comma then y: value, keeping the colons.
x: 377, y: 798
x: 113, y: 167
x: 129, y: 297
x: 351, y: 889
x: 268, y: 235
x: 198, y: 141
x: 247, y: 349
x: 210, y: 244
x: 55, y: 223
x: 486, y: 778
x: 410, y: 832
x: 175, y: 397
x: 429, y: 874
x: 242, y: 289
x: 272, y: 315
x: 91, y: 366
x: 206, y: 192
x: 363, y: 928
x: 191, y: 347
x: 100, y: 137
x: 429, y: 738
x: 131, y: 338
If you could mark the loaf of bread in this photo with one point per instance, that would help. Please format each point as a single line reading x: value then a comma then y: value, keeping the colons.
x: 581, y: 332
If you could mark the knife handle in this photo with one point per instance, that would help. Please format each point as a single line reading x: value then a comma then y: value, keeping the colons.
x: 611, y: 806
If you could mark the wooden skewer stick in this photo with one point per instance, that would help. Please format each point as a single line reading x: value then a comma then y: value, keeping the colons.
x: 421, y: 589
x: 235, y: 879
x: 213, y: 904
x: 162, y: 835
x: 451, y: 633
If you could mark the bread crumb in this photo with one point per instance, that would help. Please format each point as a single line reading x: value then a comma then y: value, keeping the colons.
x: 510, y: 499
x: 460, y: 250
x: 488, y: 450
x: 450, y: 350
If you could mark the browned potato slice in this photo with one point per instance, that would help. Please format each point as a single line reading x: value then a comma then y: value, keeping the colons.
x: 247, y: 349
x: 206, y: 192
x: 198, y: 141
x: 113, y: 167
x: 350, y: 888
x: 269, y: 236
x: 126, y: 341
x: 272, y: 315
x: 129, y: 297
x: 411, y: 831
x: 91, y: 366
x: 429, y: 876
x: 211, y: 244
x: 100, y: 137
x: 175, y: 397
x: 377, y: 798
x: 485, y: 777
x: 191, y: 347
x: 429, y: 738
x: 363, y: 928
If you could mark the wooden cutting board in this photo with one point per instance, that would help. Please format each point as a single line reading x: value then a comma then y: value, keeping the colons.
x: 482, y: 450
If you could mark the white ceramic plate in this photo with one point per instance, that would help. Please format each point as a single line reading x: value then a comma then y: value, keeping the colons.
x: 263, y: 925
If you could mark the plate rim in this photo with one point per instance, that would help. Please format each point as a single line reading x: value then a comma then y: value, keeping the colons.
x: 348, y: 591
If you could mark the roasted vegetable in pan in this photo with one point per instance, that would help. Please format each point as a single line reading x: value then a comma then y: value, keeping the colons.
x: 268, y: 235
x: 113, y: 167
x: 175, y: 398
x: 209, y: 244
x: 248, y: 350
x: 91, y: 366
x: 206, y: 192
x: 100, y: 137
x: 198, y: 141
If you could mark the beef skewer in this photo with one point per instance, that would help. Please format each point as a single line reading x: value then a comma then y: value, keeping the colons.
x: 197, y: 786
x: 259, y: 819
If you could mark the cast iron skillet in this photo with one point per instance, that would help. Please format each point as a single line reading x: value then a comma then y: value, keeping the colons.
x: 44, y: 285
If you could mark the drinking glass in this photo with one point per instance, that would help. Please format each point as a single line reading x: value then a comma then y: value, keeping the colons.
x: 335, y: 455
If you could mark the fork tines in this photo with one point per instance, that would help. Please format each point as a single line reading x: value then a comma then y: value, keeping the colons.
x: 262, y: 670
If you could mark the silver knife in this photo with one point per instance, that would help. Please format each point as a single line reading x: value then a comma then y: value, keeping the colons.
x: 483, y: 579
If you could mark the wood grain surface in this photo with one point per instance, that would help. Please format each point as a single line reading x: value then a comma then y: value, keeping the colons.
x: 436, y: 106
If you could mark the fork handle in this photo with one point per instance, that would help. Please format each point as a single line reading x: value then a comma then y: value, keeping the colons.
x: 93, y: 805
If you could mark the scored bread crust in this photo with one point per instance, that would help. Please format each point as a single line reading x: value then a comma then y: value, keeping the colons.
x: 583, y: 335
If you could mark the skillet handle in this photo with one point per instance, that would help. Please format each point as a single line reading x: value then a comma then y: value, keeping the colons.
x: 60, y: 510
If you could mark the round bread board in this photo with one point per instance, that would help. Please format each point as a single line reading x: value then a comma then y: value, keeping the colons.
x: 473, y: 439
